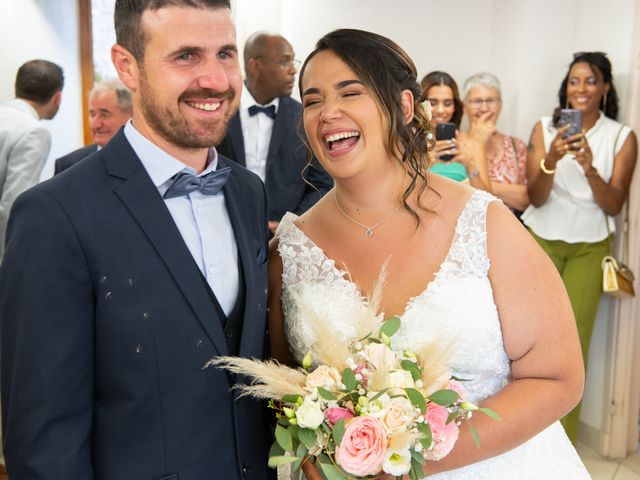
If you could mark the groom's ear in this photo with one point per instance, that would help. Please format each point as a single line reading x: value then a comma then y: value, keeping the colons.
x: 406, y: 102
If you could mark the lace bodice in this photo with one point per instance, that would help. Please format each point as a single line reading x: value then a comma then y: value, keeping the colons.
x: 457, y: 306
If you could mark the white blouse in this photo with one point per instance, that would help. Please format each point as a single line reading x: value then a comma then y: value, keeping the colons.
x: 571, y: 213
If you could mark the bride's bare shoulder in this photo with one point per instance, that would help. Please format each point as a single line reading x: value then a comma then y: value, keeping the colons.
x: 446, y: 197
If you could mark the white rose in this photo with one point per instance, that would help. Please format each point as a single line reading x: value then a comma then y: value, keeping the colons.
x: 399, y: 379
x: 309, y: 415
x: 324, y: 376
x: 397, y: 463
x: 398, y: 413
x: 380, y: 356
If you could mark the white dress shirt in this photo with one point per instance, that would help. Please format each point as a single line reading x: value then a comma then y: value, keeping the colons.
x: 203, y: 220
x: 571, y: 213
x: 256, y: 132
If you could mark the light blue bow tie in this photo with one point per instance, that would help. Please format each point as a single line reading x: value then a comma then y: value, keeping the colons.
x: 184, y: 183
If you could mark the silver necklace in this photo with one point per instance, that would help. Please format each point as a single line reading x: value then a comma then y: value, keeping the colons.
x: 368, y: 231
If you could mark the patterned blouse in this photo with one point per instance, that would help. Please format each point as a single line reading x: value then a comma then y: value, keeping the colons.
x: 507, y: 160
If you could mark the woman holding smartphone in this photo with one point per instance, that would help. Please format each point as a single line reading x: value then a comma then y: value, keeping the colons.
x: 456, y: 156
x: 577, y: 184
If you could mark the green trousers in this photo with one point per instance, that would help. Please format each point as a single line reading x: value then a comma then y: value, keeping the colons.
x: 579, y: 265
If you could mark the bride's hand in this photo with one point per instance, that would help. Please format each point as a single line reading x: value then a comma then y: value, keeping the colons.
x: 311, y: 472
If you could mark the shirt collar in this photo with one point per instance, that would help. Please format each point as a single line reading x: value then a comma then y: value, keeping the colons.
x: 25, y: 107
x: 161, y: 166
x: 247, y: 100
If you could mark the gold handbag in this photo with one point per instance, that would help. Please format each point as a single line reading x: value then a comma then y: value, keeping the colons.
x: 617, y: 279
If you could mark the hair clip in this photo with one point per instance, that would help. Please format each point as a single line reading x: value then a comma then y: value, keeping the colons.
x: 426, y: 106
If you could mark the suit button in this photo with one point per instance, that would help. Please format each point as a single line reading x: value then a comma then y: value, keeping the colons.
x: 245, y: 471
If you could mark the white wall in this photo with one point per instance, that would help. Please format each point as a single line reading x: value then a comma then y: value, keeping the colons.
x: 46, y: 29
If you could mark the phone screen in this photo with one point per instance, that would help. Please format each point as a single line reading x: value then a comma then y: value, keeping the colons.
x: 572, y: 117
x: 445, y: 131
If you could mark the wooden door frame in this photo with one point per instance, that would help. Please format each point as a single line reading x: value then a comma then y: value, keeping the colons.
x: 85, y: 32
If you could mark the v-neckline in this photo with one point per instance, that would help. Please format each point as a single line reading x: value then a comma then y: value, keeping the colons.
x: 344, y: 275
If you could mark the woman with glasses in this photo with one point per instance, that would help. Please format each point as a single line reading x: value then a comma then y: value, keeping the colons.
x: 577, y: 183
x: 506, y: 155
x: 460, y: 158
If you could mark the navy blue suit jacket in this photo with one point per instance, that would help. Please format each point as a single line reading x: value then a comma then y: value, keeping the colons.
x: 287, y: 157
x: 70, y: 159
x: 106, y: 324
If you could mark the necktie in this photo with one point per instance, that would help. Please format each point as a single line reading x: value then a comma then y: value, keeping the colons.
x: 269, y: 111
x: 184, y: 183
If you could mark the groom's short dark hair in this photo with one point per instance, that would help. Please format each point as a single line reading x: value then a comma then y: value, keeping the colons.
x: 128, y: 15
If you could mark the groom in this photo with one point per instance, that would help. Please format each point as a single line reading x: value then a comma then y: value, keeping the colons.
x: 124, y: 275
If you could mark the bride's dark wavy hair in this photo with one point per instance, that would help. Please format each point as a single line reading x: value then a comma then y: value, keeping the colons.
x: 386, y: 70
x: 599, y: 63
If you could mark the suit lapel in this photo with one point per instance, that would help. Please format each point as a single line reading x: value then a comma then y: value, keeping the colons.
x: 235, y: 200
x: 146, y: 205
x: 280, y: 127
x: 237, y: 141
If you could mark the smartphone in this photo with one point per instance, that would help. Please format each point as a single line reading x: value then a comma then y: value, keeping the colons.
x: 570, y: 116
x: 445, y: 131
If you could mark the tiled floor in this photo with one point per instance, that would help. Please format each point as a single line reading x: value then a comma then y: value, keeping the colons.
x: 604, y: 469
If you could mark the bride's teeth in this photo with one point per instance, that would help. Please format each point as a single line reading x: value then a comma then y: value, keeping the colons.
x: 341, y: 135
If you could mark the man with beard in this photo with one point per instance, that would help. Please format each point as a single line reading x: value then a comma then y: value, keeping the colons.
x: 125, y: 275
x: 263, y: 135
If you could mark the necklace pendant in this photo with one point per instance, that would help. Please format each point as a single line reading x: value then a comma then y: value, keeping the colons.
x: 369, y: 232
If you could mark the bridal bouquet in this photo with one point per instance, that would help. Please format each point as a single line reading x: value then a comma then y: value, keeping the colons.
x: 364, y: 409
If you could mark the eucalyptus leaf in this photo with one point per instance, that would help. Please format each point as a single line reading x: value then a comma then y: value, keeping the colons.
x: 330, y: 472
x: 378, y: 395
x: 291, y: 398
x: 413, y: 473
x: 390, y: 327
x: 349, y: 379
x: 491, y: 413
x: 279, y: 461
x: 275, y: 450
x: 476, y: 437
x: 326, y: 394
x: 427, y: 436
x: 412, y: 368
x: 417, y: 399
x: 338, y: 431
x: 284, y: 439
x: 417, y: 457
x: 301, y: 453
x: 444, y: 397
x: 307, y: 437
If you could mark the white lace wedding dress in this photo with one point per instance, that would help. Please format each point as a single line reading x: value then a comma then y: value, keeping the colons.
x: 458, y: 304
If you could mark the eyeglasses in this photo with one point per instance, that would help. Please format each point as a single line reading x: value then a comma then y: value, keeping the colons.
x: 284, y: 64
x: 586, y: 54
x: 490, y: 102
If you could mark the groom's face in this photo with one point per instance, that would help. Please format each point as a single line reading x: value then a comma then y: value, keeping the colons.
x: 188, y: 82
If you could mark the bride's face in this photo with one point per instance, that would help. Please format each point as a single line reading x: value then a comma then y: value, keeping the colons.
x: 342, y: 120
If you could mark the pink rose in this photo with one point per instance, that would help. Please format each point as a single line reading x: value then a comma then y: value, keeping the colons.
x: 458, y: 387
x: 363, y: 446
x: 334, y: 414
x: 444, y: 435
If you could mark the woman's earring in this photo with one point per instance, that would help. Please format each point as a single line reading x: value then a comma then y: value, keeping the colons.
x: 604, y: 102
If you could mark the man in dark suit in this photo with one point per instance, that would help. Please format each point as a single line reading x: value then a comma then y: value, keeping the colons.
x: 109, y: 109
x: 125, y: 275
x: 263, y: 136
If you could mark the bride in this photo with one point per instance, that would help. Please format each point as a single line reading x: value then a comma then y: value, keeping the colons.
x: 460, y: 267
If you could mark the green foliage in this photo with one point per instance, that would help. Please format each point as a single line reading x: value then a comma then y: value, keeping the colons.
x: 491, y: 413
x: 338, y: 431
x: 284, y: 438
x: 294, y: 399
x: 427, y: 436
x: 417, y: 399
x: 444, y: 397
x: 412, y: 368
x: 390, y: 327
x: 276, y: 450
x: 326, y: 394
x: 349, y: 379
x: 279, y: 461
x: 476, y: 437
x: 307, y: 437
x: 330, y: 472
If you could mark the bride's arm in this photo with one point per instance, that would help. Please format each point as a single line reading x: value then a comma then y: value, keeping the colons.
x: 277, y: 339
x: 540, y: 338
